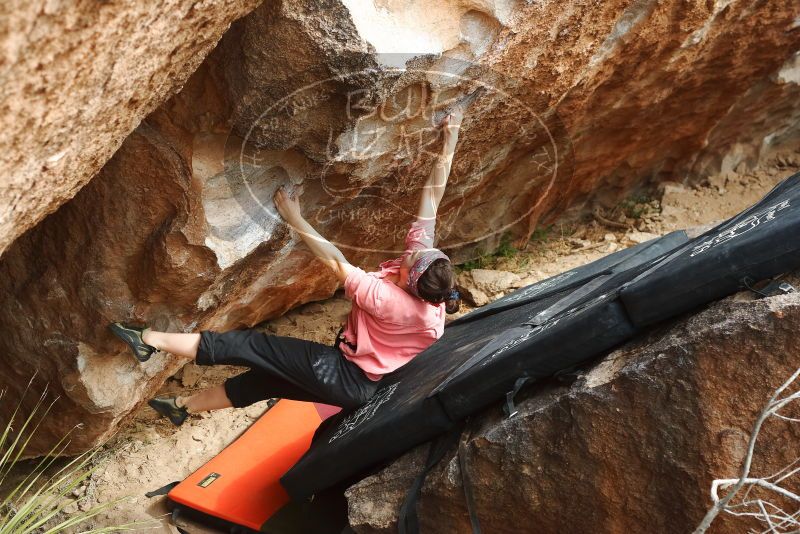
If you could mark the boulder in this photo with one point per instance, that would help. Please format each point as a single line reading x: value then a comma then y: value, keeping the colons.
x: 77, y: 79
x: 640, y: 237
x: 631, y: 446
x: 481, y: 286
x: 340, y: 99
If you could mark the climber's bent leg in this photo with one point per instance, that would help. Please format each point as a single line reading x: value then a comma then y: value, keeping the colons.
x: 255, y: 386
x: 285, y: 367
x: 181, y: 345
x: 214, y: 398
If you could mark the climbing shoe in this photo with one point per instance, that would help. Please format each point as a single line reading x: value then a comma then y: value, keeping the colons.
x: 132, y: 335
x: 167, y: 407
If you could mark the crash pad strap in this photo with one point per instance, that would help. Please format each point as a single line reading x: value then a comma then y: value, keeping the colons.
x: 163, y: 490
x: 774, y: 288
x: 408, y: 521
x: 571, y: 301
x: 466, y: 483
x: 509, y: 408
x: 487, y: 350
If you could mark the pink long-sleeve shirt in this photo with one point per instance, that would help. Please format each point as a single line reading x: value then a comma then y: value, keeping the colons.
x: 388, y: 325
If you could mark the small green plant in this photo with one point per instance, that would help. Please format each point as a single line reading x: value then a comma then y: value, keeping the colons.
x: 36, y: 504
x: 541, y: 234
x: 636, y: 206
x: 484, y: 259
x: 477, y: 263
x: 506, y: 249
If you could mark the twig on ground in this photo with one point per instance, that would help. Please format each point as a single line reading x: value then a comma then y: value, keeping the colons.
x: 598, y: 216
x: 774, y: 405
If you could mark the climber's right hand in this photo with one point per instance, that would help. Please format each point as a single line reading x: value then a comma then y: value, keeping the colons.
x: 288, y: 206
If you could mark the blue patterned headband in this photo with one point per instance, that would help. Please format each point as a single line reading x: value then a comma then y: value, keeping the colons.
x: 420, y: 265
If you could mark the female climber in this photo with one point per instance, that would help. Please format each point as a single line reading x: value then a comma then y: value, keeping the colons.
x: 396, y: 313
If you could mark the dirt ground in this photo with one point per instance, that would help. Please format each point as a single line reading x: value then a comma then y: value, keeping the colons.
x: 150, y: 452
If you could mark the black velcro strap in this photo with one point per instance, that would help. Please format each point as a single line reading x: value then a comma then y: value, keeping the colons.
x: 163, y: 490
x: 774, y: 288
x: 509, y: 408
x: 748, y: 283
x: 466, y: 482
x: 408, y: 521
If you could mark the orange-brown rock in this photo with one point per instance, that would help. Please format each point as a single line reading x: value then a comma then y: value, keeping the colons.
x: 127, y: 246
x: 632, y: 446
x: 341, y: 99
x: 77, y: 79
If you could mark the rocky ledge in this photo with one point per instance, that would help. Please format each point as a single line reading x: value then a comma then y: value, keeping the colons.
x: 631, y: 446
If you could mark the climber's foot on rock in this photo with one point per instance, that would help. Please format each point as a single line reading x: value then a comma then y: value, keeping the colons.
x: 168, y: 407
x: 132, y: 336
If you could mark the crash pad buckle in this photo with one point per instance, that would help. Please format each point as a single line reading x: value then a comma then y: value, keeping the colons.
x: 773, y: 289
x: 779, y: 287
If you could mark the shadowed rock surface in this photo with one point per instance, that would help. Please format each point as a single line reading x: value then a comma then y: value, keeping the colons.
x: 632, y: 446
x: 178, y: 230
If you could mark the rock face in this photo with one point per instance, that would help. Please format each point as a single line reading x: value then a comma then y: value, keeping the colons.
x: 481, y: 286
x: 77, y: 79
x: 632, y: 446
x: 341, y: 99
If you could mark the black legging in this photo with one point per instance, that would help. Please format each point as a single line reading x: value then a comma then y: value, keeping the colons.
x: 284, y: 367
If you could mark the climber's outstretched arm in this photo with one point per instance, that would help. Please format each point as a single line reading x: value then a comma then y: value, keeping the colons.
x: 289, y: 208
x: 433, y: 190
